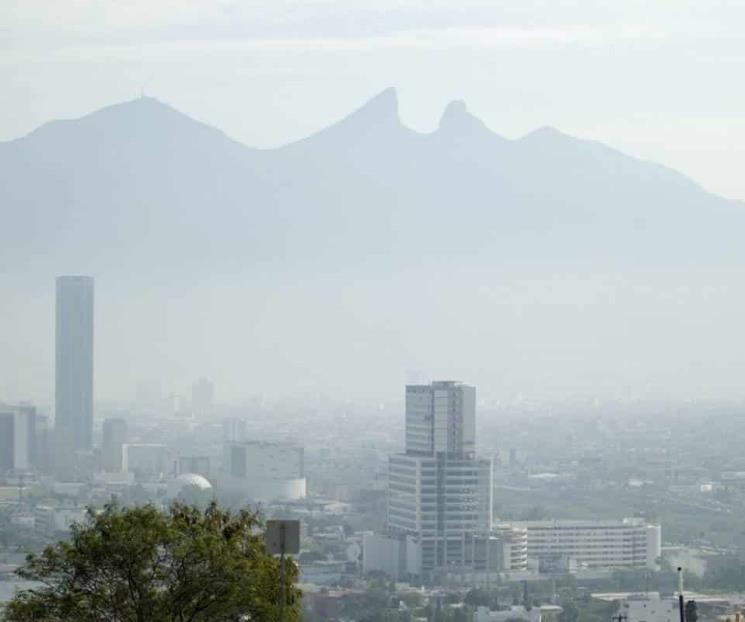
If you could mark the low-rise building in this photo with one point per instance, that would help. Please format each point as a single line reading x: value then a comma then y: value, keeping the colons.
x: 323, y: 572
x: 648, y: 607
x: 580, y: 544
x: 544, y: 613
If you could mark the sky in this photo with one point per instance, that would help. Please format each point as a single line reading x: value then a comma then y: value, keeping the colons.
x: 659, y: 79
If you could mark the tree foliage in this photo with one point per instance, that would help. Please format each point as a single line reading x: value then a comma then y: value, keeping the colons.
x: 481, y: 597
x: 142, y: 565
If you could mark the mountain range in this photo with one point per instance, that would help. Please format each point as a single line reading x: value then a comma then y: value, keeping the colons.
x: 544, y: 261
x: 142, y: 183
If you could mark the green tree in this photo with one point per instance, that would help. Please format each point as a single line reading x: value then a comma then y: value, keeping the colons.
x: 142, y: 565
x: 691, y: 611
x: 196, y: 496
x: 481, y: 597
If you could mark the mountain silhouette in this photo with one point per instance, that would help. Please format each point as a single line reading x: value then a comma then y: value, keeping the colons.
x: 142, y: 182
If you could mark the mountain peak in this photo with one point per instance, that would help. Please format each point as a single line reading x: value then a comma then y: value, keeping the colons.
x: 380, y: 109
x: 136, y: 108
x: 454, y: 112
x: 144, y: 120
x: 546, y: 133
x: 457, y: 120
x: 379, y: 113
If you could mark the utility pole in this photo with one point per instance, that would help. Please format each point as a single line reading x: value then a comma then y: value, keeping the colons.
x: 488, y: 562
x: 681, y: 605
x: 282, y: 595
x: 473, y: 559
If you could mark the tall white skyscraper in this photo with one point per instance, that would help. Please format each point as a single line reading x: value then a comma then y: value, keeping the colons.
x: 439, y: 493
x: 74, y: 361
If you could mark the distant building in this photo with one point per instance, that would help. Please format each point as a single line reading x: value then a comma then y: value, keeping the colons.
x: 17, y: 438
x: 43, y: 444
x: 323, y: 572
x: 644, y: 607
x: 512, y: 552
x: 113, y: 439
x: 543, y: 613
x: 234, y: 430
x: 263, y: 471
x: 601, y: 544
x: 148, y: 461
x: 202, y: 397
x: 193, y: 464
x: 74, y: 360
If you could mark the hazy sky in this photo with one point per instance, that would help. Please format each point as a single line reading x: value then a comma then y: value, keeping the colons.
x: 659, y: 79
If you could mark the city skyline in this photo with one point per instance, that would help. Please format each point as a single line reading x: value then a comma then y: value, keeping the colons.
x: 342, y: 311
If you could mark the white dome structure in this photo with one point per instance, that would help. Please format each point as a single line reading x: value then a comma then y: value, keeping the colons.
x: 187, y: 480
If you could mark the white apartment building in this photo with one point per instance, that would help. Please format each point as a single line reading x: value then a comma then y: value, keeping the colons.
x: 513, y: 547
x: 568, y: 544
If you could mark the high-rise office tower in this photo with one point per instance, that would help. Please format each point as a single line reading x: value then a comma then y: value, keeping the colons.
x: 74, y: 360
x: 439, y: 493
x: 113, y: 439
